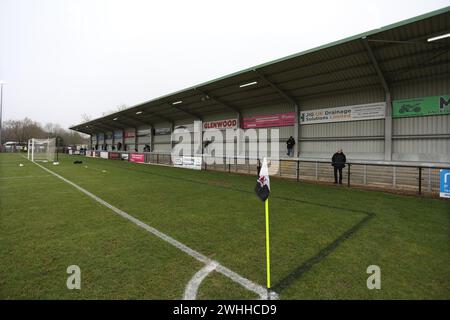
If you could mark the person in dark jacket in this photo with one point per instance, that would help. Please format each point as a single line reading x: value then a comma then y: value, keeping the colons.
x: 338, y: 162
x: 290, y: 146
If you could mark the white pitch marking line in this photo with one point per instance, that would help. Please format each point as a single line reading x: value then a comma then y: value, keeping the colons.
x: 249, y: 285
x: 23, y: 177
x: 190, y: 293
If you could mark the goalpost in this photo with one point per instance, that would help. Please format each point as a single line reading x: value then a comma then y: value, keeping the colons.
x: 42, y: 150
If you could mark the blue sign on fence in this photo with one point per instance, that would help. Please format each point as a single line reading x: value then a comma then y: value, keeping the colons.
x: 445, y: 184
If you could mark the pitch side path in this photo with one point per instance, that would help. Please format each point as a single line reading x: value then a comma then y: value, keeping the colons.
x: 323, y: 238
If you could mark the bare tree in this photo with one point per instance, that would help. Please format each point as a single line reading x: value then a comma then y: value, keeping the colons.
x: 22, y: 130
x: 119, y: 108
x: 122, y: 107
x: 86, y: 117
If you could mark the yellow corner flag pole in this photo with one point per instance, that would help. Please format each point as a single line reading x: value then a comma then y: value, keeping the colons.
x: 267, y: 249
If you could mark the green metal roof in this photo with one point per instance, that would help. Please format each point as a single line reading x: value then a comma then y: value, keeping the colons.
x: 161, y: 108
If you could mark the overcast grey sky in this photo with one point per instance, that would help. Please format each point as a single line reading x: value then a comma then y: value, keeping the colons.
x: 62, y: 58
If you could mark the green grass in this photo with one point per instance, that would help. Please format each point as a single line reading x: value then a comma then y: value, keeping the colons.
x: 323, y: 237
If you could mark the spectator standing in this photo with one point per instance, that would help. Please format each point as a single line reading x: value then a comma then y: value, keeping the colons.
x: 290, y: 146
x: 338, y: 161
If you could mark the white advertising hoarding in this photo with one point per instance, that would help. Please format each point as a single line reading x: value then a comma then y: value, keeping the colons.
x: 350, y: 113
x: 188, y: 162
x: 104, y: 154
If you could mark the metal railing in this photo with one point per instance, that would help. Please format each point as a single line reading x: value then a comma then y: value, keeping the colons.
x: 392, y: 176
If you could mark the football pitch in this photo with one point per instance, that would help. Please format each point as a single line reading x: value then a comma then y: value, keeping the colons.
x: 129, y: 227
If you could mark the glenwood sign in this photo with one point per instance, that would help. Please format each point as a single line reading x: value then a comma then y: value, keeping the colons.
x: 220, y: 124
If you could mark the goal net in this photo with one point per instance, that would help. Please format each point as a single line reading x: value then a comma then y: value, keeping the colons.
x: 42, y: 149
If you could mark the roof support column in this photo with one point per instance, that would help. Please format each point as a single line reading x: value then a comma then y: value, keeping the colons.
x: 123, y: 139
x: 136, y: 139
x: 152, y: 137
x: 296, y: 131
x: 201, y: 138
x: 239, y: 144
x: 388, y: 129
x: 238, y: 120
x: 113, y: 140
x: 388, y: 99
x: 172, y: 127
